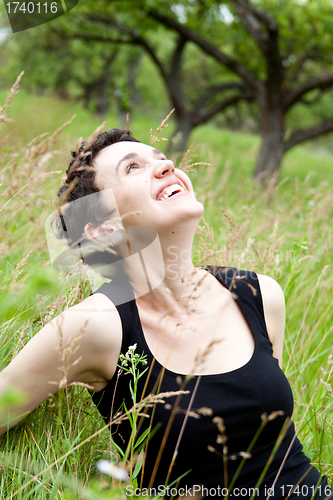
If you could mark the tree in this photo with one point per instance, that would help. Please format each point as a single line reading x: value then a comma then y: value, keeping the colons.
x: 279, y: 53
x: 287, y: 75
x: 194, y: 103
x: 69, y: 68
x: 211, y: 56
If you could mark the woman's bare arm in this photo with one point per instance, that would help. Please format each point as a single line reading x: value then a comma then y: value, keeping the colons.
x: 80, y: 345
x: 274, y: 310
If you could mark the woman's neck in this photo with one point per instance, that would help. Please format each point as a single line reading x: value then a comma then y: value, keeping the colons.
x: 160, y: 268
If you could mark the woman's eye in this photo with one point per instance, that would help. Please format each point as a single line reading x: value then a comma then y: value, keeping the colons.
x: 131, y: 166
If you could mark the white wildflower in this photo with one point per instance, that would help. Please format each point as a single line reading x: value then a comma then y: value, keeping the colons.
x: 112, y: 470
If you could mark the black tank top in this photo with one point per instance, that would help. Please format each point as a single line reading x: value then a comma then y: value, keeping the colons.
x: 211, y: 451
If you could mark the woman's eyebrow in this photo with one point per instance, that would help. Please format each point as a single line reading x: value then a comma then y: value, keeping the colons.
x: 129, y: 156
x: 158, y: 152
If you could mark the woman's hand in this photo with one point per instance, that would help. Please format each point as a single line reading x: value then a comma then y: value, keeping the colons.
x: 274, y: 310
x: 81, y: 345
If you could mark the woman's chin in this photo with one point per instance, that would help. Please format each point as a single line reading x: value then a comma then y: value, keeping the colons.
x: 195, y: 208
x: 183, y: 202
x: 190, y: 213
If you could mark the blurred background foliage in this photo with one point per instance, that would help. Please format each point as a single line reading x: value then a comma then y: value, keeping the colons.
x: 262, y: 67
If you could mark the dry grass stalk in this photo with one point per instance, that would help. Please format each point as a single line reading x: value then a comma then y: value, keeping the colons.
x: 209, y: 251
x: 189, y: 413
x: 189, y: 168
x: 19, y: 266
x: 83, y: 151
x: 66, y: 352
x: 127, y: 124
x: 230, y: 221
x: 12, y: 93
x: 185, y: 164
x: 93, y: 136
x: 202, y: 355
x: 162, y: 126
x: 30, y: 168
x: 40, y: 148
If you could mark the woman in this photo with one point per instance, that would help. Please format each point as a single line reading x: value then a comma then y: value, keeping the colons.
x: 212, y: 335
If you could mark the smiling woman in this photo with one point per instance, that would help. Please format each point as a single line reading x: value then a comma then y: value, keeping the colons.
x: 212, y: 336
x: 142, y: 177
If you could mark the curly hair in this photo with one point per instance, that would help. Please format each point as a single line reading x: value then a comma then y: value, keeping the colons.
x: 81, y: 182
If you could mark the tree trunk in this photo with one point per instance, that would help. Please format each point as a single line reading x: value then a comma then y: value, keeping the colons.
x: 122, y: 108
x: 133, y: 70
x: 86, y: 95
x: 102, y: 105
x: 102, y: 99
x: 181, y: 135
x: 272, y: 147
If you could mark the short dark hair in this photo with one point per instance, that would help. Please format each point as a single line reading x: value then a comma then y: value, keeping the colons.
x: 81, y: 182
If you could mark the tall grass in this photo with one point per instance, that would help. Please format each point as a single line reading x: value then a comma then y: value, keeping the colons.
x: 283, y: 231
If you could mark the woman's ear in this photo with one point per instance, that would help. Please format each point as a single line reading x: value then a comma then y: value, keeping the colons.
x: 94, y: 233
x: 105, y: 236
x: 90, y: 231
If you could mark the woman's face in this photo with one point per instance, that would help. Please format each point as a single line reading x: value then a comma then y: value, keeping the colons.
x: 143, y: 179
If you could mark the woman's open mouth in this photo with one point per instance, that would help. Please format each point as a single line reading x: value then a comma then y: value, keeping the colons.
x: 170, y: 191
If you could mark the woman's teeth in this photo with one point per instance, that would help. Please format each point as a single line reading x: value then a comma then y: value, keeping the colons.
x: 167, y: 192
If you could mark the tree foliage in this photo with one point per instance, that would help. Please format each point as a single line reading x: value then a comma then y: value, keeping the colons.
x: 212, y: 55
x: 94, y: 73
x: 280, y: 50
x: 276, y: 54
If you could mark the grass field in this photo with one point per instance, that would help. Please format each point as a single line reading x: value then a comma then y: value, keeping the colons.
x: 283, y: 231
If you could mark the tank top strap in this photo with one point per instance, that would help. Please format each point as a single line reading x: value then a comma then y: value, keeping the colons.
x: 245, y: 289
x: 123, y: 298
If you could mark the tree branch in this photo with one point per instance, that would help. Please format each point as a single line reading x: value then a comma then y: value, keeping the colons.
x: 303, y: 135
x: 210, y: 49
x: 177, y: 55
x: 135, y: 38
x: 110, y: 21
x: 174, y: 77
x: 172, y: 81
x: 262, y: 16
x: 206, y: 115
x: 93, y: 38
x: 213, y: 91
x: 252, y: 18
x: 319, y: 82
x: 297, y: 69
x: 267, y: 39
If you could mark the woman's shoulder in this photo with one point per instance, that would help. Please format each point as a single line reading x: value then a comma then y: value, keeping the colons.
x: 263, y: 292
x: 95, y: 325
x: 274, y: 312
x: 95, y: 322
x: 272, y: 294
x: 98, y: 313
x: 269, y: 289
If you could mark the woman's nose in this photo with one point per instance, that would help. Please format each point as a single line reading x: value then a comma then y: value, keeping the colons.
x: 165, y: 167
